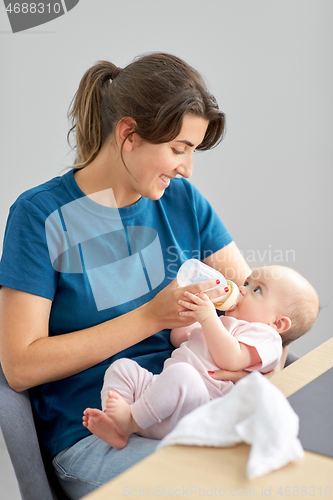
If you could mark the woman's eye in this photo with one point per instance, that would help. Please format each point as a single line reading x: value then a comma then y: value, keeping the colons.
x: 257, y: 289
x: 177, y: 152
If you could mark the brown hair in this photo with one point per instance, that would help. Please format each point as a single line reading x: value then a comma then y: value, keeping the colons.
x: 157, y: 90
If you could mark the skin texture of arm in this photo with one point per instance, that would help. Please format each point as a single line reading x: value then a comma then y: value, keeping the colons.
x: 225, y: 349
x: 230, y: 262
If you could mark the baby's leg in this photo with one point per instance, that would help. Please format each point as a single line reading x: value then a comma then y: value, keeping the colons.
x: 175, y: 392
x: 125, y: 379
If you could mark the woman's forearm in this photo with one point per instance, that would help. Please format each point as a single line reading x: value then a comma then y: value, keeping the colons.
x: 230, y: 262
x: 30, y: 357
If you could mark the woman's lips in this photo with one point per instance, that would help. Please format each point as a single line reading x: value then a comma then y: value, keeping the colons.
x: 165, y: 179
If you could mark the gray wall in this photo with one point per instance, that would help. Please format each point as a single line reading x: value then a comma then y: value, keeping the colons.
x: 269, y: 63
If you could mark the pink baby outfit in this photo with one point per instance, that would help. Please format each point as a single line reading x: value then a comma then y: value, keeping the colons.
x: 158, y: 402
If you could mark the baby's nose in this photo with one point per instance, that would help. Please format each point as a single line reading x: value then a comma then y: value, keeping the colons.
x: 242, y: 290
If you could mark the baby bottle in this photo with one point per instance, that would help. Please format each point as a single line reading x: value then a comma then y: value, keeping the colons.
x: 193, y: 271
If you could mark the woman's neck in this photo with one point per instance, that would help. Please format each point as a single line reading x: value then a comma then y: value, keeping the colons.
x: 105, y: 180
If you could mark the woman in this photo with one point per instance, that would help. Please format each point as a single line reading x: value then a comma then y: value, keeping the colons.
x: 89, y: 258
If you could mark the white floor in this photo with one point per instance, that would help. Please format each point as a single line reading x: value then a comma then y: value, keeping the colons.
x: 8, y: 484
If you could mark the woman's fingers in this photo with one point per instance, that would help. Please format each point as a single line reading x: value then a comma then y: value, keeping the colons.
x: 201, y: 286
x: 208, y: 290
x: 210, y: 287
x: 228, y: 375
x: 164, y: 307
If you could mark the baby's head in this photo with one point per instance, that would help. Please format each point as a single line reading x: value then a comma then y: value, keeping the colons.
x: 279, y: 297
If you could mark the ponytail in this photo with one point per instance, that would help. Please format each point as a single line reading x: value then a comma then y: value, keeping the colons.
x: 85, y: 111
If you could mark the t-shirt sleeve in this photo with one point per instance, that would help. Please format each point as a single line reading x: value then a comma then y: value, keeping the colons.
x: 213, y: 233
x: 267, y: 342
x: 25, y: 263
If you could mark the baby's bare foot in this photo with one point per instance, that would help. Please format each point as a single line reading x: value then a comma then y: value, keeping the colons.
x: 103, y: 427
x: 115, y: 425
x: 120, y: 412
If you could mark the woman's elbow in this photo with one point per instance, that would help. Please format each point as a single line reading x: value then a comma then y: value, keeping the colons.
x: 15, y: 379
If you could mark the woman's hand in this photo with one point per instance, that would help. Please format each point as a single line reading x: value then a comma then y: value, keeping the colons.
x: 229, y: 375
x: 238, y: 375
x: 164, y: 308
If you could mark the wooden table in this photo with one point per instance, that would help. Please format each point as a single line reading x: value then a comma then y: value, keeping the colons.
x: 198, y: 472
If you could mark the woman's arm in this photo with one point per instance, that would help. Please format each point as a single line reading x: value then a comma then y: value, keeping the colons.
x: 30, y: 357
x: 225, y: 349
x: 230, y: 262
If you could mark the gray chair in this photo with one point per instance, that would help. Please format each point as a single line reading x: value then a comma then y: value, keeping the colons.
x: 290, y: 359
x: 35, y: 476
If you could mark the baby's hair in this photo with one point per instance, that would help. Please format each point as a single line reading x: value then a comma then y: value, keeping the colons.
x: 303, y: 313
x: 156, y: 90
x: 301, y: 305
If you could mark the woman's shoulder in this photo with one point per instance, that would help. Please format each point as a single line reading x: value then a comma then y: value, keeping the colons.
x: 41, y: 189
x: 48, y: 195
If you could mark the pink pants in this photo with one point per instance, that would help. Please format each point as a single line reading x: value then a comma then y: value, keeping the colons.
x: 157, y: 402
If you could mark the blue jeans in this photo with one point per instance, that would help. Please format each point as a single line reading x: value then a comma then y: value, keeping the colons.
x: 91, y: 462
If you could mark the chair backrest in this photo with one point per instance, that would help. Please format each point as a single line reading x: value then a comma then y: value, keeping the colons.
x: 19, y: 432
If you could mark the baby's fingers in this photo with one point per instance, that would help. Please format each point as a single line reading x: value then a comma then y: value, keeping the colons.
x: 187, y: 305
x: 197, y: 299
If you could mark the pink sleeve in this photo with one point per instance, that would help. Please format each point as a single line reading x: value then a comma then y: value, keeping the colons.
x: 265, y: 339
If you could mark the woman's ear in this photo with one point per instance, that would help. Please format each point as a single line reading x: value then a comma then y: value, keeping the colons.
x: 282, y: 324
x: 125, y: 131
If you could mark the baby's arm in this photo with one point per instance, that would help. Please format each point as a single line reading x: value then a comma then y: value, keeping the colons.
x: 227, y: 352
x: 181, y: 334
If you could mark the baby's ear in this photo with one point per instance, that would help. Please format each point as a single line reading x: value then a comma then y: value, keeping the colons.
x: 282, y: 324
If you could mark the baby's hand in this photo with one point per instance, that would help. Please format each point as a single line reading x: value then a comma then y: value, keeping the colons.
x: 200, y: 307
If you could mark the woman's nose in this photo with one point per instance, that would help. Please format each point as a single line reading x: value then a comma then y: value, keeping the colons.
x: 185, y: 167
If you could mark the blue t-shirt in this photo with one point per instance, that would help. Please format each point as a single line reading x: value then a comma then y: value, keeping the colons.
x: 96, y: 263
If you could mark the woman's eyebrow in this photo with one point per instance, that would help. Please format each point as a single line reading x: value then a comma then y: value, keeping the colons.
x: 188, y: 143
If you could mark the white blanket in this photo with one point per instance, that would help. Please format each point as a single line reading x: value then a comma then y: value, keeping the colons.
x: 255, y: 412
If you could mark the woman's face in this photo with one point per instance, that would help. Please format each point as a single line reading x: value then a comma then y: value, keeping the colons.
x: 151, y: 166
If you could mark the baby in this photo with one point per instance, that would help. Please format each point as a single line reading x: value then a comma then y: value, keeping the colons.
x: 276, y: 305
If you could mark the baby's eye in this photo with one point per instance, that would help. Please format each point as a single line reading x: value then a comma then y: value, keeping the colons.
x: 257, y: 289
x: 177, y: 152
x: 246, y: 283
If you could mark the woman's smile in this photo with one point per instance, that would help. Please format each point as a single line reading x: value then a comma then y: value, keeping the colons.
x: 165, y: 179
